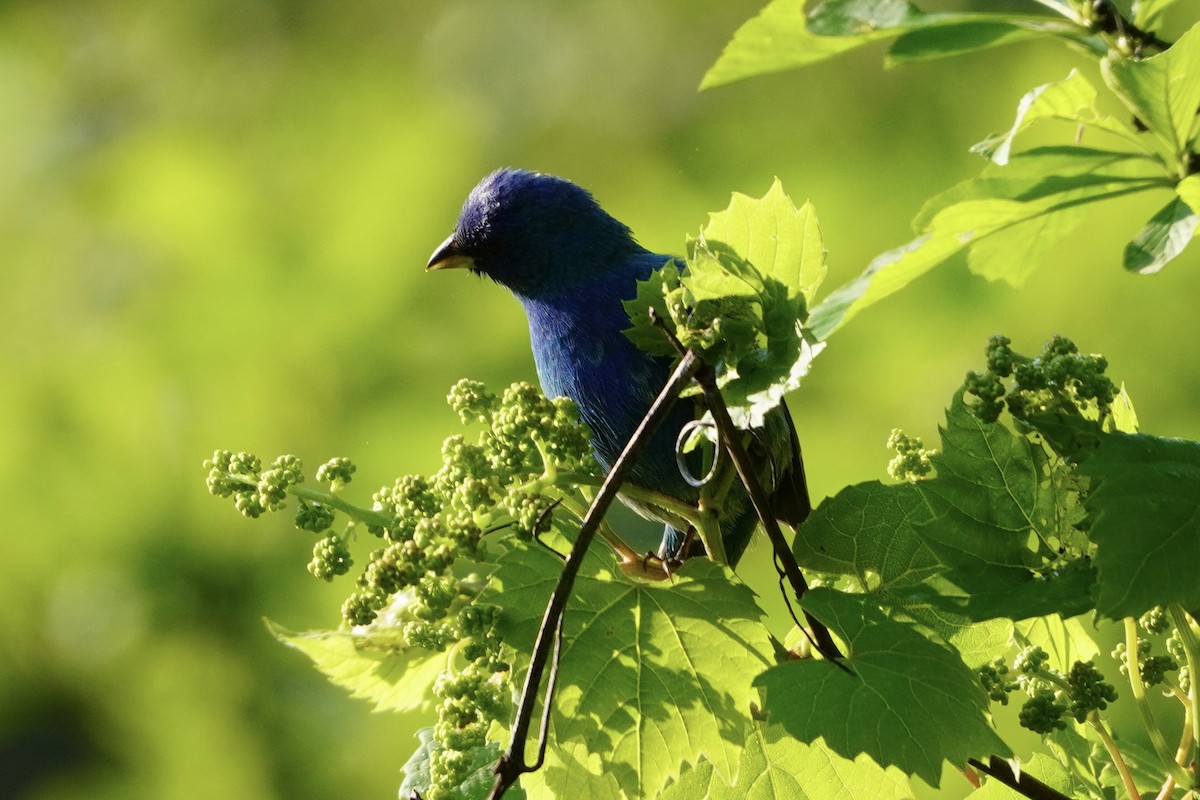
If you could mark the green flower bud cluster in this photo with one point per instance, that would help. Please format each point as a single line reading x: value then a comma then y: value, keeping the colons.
x: 1154, y: 668
x: 994, y: 677
x: 912, y: 460
x: 506, y: 476
x: 1060, y: 380
x: 513, y: 474
x: 254, y: 490
x: 1053, y: 695
x: 1088, y: 690
x: 1043, y: 711
x: 1179, y: 656
x: 331, y: 557
x: 469, y: 702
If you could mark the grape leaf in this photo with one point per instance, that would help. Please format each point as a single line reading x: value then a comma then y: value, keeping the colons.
x: 906, y: 702
x: 476, y: 786
x: 1145, y: 510
x: 1162, y: 91
x: 750, y: 275
x: 652, y: 675
x: 783, y: 242
x: 375, y: 664
x: 998, y: 523
x: 867, y: 530
x: 775, y: 766
x: 1064, y: 640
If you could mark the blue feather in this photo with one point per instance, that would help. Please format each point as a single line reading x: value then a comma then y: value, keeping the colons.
x: 570, y: 265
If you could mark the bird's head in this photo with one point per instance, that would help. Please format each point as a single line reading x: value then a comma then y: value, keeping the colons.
x: 533, y: 233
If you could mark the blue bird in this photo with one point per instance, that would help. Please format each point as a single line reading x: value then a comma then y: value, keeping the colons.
x: 570, y: 264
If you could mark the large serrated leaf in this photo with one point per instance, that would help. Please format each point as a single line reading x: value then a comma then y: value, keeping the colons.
x: 868, y: 530
x: 775, y: 766
x: 651, y: 676
x: 375, y: 665
x: 784, y: 243
x: 998, y: 521
x: 906, y: 701
x: 1145, y: 512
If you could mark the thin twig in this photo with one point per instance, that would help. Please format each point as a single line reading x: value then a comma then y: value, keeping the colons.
x: 1024, y: 783
x: 512, y: 764
x: 732, y: 441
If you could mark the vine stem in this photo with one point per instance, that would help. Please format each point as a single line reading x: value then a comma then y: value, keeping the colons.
x: 1114, y: 753
x: 358, y: 513
x: 731, y: 439
x: 512, y: 764
x: 1191, y: 652
x: 1155, y: 734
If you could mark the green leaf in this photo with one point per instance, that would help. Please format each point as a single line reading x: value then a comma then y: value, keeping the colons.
x: 476, y: 786
x: 976, y: 642
x: 374, y: 663
x: 650, y: 295
x: 741, y: 302
x: 1162, y: 91
x: 979, y: 32
x: 999, y: 520
x: 1064, y: 640
x: 1146, y: 13
x: 783, y: 37
x: 1165, y: 236
x: 784, y: 243
x: 1145, y: 511
x: 858, y: 17
x: 778, y: 39
x: 1073, y: 99
x: 652, y: 675
x: 1008, y: 219
x: 906, y: 702
x: 774, y: 766
x: 1188, y: 190
x: 867, y: 530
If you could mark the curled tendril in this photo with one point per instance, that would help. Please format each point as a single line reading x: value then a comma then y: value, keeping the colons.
x: 685, y: 433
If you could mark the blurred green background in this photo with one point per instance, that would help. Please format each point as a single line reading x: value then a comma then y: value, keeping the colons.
x: 214, y: 219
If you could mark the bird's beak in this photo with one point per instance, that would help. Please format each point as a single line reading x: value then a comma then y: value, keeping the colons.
x: 449, y: 256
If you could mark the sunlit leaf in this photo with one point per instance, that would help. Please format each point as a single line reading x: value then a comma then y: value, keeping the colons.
x: 1031, y: 203
x: 1163, y: 91
x: 649, y: 677
x: 1165, y: 236
x: 775, y: 766
x: 1073, y: 99
x: 867, y: 530
x: 906, y: 701
x: 375, y: 665
x: 783, y: 37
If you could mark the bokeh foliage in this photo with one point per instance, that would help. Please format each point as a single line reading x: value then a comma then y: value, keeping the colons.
x: 214, y: 219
